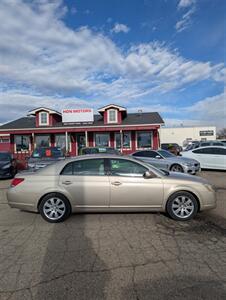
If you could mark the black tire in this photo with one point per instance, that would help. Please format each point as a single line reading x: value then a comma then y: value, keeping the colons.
x: 56, y: 213
x: 176, y: 168
x: 190, y: 211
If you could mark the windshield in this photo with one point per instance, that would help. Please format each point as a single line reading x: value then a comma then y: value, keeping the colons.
x: 4, y: 156
x: 165, y: 153
x: 47, y: 152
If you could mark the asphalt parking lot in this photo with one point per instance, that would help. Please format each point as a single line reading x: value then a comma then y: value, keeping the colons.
x: 114, y: 256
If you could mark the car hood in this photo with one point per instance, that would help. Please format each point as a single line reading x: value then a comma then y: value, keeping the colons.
x: 187, y: 177
x: 3, y: 163
x: 181, y: 160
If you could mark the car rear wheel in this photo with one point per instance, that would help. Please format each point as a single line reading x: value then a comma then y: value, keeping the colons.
x: 55, y: 208
x: 182, y: 206
x: 176, y: 168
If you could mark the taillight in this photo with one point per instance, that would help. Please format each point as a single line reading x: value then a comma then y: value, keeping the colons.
x: 17, y: 181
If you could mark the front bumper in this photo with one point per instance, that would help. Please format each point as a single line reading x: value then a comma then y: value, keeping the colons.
x: 192, y: 169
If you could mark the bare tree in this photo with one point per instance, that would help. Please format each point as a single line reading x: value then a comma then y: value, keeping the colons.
x: 221, y: 133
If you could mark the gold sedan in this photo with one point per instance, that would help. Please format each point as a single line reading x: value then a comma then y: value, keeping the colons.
x: 109, y: 183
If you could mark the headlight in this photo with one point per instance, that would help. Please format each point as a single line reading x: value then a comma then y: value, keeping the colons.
x: 6, y: 166
x: 188, y: 164
x: 210, y: 187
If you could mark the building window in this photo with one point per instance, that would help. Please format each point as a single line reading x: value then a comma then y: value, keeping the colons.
x: 102, y: 139
x: 206, y: 133
x: 112, y: 116
x: 126, y: 138
x: 4, y: 140
x: 60, y: 142
x: 22, y: 143
x: 144, y: 139
x: 42, y: 140
x: 43, y: 118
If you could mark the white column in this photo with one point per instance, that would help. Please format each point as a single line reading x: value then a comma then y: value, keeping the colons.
x: 86, y: 138
x: 121, y: 138
x: 66, y: 141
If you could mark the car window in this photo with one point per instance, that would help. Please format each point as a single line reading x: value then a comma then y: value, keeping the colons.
x: 217, y: 144
x: 165, y: 153
x: 87, y: 167
x: 204, y: 144
x: 209, y: 150
x: 219, y: 151
x: 5, y: 156
x: 152, y: 154
x: 140, y: 153
x: 123, y: 167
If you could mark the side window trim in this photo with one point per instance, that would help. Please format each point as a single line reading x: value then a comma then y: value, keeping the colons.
x: 73, y: 165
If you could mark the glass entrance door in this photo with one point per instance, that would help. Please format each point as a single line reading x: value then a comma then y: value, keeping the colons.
x: 81, y: 141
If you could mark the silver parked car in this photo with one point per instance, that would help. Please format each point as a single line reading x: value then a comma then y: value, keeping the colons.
x: 163, y: 159
x: 109, y: 183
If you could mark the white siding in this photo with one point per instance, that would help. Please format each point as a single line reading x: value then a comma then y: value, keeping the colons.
x: 180, y: 134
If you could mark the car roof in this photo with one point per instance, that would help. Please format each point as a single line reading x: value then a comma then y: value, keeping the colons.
x: 56, y: 167
x: 206, y: 147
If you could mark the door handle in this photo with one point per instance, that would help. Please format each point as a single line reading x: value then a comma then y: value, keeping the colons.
x: 67, y: 182
x: 116, y: 183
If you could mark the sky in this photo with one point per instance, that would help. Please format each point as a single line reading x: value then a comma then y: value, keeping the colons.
x: 167, y: 56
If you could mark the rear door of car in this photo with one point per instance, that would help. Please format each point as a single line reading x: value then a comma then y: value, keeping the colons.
x: 129, y: 188
x: 210, y: 157
x: 86, y: 182
x: 218, y: 155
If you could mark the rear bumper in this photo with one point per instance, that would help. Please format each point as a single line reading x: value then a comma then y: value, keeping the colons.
x: 16, y: 200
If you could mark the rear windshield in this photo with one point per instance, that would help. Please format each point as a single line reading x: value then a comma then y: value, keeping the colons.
x: 47, y: 152
x: 5, y: 156
x: 99, y: 150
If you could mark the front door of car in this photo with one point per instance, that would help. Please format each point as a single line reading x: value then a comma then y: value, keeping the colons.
x: 86, y: 183
x: 130, y: 189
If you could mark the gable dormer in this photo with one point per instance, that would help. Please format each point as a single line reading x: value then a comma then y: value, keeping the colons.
x: 45, y: 116
x: 113, y: 114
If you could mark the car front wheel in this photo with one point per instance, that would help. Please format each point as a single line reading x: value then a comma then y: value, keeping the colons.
x: 182, y: 206
x: 176, y: 168
x: 55, y: 208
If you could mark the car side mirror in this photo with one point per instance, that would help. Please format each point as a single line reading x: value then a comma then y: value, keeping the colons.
x: 148, y: 175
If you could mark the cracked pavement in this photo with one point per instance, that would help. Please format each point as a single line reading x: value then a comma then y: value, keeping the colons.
x: 114, y: 256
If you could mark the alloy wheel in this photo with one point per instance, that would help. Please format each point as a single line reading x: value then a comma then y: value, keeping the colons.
x: 183, y: 207
x: 54, y: 208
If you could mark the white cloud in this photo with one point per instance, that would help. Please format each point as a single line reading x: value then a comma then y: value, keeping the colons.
x: 185, y: 3
x: 211, y: 109
x: 39, y: 53
x: 185, y: 21
x: 120, y: 28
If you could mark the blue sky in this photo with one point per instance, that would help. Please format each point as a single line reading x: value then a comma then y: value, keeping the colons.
x: 155, y: 55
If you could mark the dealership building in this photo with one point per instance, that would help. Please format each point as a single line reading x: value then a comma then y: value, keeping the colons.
x: 73, y: 129
x: 182, y: 135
